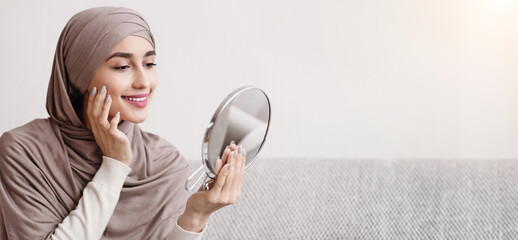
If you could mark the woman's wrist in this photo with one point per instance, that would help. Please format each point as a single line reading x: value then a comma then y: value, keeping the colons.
x: 193, y: 222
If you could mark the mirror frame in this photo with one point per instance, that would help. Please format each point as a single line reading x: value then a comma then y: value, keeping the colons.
x: 225, y: 103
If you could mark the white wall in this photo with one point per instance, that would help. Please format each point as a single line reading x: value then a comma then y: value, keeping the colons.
x: 347, y: 79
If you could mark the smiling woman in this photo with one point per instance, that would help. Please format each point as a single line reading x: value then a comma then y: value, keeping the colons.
x: 130, y: 78
x: 89, y: 171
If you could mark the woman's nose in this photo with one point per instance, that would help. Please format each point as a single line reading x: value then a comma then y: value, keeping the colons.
x: 141, y: 79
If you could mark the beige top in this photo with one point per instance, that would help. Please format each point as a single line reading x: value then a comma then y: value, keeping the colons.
x: 95, y: 208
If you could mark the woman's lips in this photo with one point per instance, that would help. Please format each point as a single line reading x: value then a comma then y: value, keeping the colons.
x: 137, y: 100
x: 138, y: 95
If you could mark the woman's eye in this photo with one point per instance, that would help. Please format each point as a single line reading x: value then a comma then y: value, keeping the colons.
x: 121, y: 67
x: 150, y: 65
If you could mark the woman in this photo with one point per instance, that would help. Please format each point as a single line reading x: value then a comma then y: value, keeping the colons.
x: 88, y: 171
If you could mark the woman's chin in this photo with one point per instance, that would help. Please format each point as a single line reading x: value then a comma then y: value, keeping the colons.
x: 135, y: 119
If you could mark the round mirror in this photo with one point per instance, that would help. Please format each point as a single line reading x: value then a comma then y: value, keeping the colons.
x: 243, y: 117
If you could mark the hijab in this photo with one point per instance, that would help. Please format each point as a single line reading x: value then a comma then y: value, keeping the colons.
x: 45, y: 164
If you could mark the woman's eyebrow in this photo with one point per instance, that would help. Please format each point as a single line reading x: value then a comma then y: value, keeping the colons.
x: 150, y: 53
x: 120, y: 54
x: 129, y: 55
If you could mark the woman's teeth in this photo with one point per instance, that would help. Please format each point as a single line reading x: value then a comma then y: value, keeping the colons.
x: 135, y: 99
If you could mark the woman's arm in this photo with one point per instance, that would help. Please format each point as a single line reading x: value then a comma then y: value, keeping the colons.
x: 96, y: 206
x: 225, y: 191
x: 100, y: 196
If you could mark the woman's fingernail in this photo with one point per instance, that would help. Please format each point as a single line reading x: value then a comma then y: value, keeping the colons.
x: 229, y: 166
x: 94, y: 89
x: 232, y: 142
x: 103, y: 89
x: 240, y: 149
x: 107, y: 98
x: 235, y: 154
x: 117, y: 114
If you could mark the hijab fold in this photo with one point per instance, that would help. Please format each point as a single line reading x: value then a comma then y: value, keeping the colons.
x: 46, y: 163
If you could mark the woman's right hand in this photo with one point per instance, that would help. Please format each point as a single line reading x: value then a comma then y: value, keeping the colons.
x: 224, y: 191
x: 224, y: 157
x: 113, y: 143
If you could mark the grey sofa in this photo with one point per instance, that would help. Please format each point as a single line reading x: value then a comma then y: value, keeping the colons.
x: 373, y: 199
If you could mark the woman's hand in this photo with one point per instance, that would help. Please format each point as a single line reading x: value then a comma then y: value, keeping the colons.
x: 226, y: 152
x: 225, y: 191
x: 109, y: 138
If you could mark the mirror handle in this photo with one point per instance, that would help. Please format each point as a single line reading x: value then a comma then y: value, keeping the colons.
x: 189, y: 185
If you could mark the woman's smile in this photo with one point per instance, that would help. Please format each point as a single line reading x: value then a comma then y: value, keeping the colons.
x: 138, y: 100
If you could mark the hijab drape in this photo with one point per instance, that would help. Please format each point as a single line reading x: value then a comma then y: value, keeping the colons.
x: 45, y: 164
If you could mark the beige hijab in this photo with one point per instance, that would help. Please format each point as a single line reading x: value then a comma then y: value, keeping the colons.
x: 46, y: 164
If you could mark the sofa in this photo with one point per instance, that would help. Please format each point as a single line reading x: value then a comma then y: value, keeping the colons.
x: 373, y: 199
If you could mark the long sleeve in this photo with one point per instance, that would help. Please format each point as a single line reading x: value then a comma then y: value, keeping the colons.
x: 96, y: 206
x: 179, y: 234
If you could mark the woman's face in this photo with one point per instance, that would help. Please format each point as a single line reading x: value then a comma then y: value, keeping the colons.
x: 130, y: 77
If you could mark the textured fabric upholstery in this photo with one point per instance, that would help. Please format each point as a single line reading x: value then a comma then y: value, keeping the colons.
x: 373, y: 199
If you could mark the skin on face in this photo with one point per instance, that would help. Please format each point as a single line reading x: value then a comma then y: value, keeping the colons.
x: 128, y: 69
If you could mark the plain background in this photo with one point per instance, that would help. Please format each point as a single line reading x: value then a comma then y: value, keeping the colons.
x: 347, y: 79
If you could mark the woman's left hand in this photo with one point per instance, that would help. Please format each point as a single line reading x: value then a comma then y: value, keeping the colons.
x: 225, y: 191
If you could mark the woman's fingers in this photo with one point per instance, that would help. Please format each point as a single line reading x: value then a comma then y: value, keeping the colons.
x: 105, y: 110
x: 98, y: 102
x: 226, y: 192
x: 98, y: 109
x: 90, y: 107
x: 91, y: 98
x: 239, y: 163
x: 217, y: 168
x: 233, y: 146
x: 220, y: 181
x: 114, y: 123
x: 224, y: 157
x: 239, y: 172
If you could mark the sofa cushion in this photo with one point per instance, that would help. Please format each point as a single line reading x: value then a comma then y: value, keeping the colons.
x: 373, y: 199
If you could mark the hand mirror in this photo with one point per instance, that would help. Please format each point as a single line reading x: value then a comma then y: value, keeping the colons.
x: 243, y: 117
